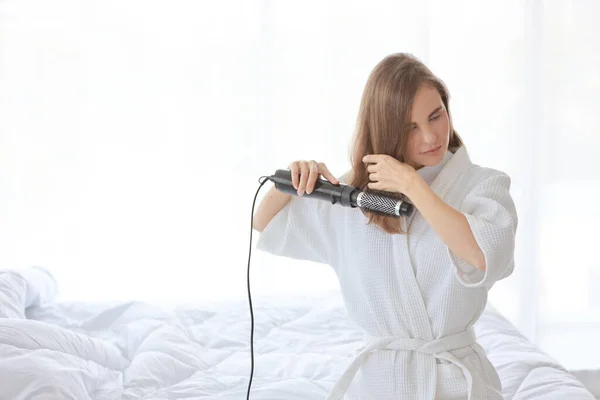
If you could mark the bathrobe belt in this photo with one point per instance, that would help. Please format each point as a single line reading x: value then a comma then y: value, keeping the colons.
x: 440, y: 348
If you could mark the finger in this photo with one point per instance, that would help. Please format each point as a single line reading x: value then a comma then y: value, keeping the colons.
x: 374, y: 185
x: 372, y: 168
x: 295, y: 170
x: 304, y: 172
x: 373, y: 178
x: 370, y: 158
x: 312, y: 178
x: 327, y: 174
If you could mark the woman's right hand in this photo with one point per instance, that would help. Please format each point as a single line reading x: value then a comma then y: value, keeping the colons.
x: 306, y: 173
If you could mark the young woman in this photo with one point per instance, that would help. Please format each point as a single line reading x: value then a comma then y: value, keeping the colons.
x: 415, y: 285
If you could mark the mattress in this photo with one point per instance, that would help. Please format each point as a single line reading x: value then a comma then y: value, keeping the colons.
x: 135, y: 350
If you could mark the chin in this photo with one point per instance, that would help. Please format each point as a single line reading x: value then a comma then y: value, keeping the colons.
x: 429, y: 161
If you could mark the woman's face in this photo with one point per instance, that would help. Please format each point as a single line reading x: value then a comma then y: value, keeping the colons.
x: 429, y: 134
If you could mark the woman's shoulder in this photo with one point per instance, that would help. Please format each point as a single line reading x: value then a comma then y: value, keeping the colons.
x: 474, y: 174
x: 477, y: 176
x: 479, y: 172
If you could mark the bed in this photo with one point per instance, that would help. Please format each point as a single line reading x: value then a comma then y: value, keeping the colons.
x: 134, y: 350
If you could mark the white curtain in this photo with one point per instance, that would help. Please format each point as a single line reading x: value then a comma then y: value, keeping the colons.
x: 133, y: 134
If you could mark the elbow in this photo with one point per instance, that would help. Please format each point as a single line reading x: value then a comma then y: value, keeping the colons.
x: 256, y: 225
x: 479, y: 261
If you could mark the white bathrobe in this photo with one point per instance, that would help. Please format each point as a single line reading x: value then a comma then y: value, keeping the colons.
x: 415, y: 300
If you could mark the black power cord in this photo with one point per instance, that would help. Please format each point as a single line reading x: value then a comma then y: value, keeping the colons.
x: 265, y: 180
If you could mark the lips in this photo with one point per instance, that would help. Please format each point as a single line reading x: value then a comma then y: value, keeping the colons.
x: 432, y: 150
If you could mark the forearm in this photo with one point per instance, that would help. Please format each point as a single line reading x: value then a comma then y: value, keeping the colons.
x: 451, y: 225
x: 271, y: 204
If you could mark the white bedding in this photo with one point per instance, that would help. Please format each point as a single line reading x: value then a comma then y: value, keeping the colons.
x: 134, y: 350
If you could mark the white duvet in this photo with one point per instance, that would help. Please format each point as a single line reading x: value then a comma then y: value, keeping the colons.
x: 138, y: 351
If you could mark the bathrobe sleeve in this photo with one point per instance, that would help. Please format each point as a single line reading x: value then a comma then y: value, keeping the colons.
x: 491, y: 214
x: 304, y: 229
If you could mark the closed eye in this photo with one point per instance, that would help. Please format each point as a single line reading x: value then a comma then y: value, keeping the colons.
x: 436, y: 113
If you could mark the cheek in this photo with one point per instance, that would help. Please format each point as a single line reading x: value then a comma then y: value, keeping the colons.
x: 442, y: 126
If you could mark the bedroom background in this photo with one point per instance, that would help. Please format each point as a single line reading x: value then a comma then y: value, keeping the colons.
x: 133, y: 134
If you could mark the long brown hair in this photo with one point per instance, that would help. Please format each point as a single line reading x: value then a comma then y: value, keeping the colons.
x: 384, y: 120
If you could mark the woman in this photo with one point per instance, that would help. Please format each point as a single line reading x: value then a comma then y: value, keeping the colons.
x: 416, y: 285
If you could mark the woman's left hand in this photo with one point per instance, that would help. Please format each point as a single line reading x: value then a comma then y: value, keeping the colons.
x: 388, y: 174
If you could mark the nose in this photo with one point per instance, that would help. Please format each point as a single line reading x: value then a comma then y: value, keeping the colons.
x: 429, y: 137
